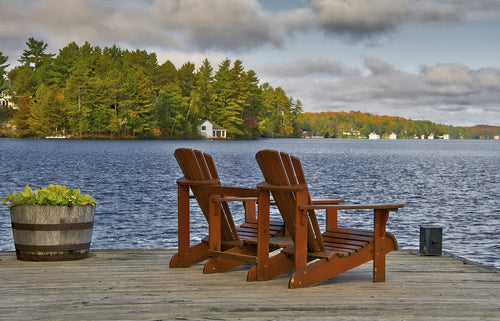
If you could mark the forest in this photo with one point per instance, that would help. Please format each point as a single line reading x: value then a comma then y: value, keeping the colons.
x: 91, y: 92
x: 88, y: 91
x: 355, y: 124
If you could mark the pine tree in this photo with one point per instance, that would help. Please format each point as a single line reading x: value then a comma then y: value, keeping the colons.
x: 22, y: 116
x: 186, y: 78
x: 170, y: 112
x: 45, y: 115
x: 22, y: 80
x: 140, y: 113
x: 252, y: 102
x: 204, y: 91
x: 3, y: 64
x: 76, y: 90
x: 63, y: 64
x: 35, y: 55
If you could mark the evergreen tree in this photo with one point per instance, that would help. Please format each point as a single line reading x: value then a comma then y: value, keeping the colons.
x: 77, y: 89
x: 252, y: 102
x: 296, y: 118
x: 204, y: 91
x: 222, y: 91
x: 22, y: 117
x: 63, y: 65
x: 267, y: 116
x: 140, y: 111
x: 3, y: 64
x: 22, y: 81
x: 114, y: 97
x: 4, y: 85
x: 186, y: 78
x: 46, y: 116
x: 162, y: 76
x: 35, y: 55
x: 170, y: 112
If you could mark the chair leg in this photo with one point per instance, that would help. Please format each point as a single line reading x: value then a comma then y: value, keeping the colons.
x: 194, y: 255
x: 218, y: 265
x: 381, y: 244
x: 379, y: 266
x: 325, y: 269
x: 278, y: 265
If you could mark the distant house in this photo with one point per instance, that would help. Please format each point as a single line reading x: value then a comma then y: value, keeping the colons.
x: 352, y: 132
x: 373, y: 136
x: 393, y: 136
x: 208, y: 130
x: 6, y: 102
x: 431, y: 136
x: 446, y: 136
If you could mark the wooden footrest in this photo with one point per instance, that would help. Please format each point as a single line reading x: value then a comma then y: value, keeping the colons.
x: 233, y: 256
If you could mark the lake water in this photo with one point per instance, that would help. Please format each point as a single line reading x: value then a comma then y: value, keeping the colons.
x: 451, y: 183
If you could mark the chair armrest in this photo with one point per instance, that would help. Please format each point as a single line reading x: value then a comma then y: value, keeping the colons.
x: 248, y: 196
x: 216, y: 198
x: 227, y: 191
x: 390, y: 207
x: 268, y: 187
x: 325, y: 201
x: 331, y: 211
x: 184, y: 181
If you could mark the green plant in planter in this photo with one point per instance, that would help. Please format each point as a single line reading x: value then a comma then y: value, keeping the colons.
x: 54, y: 195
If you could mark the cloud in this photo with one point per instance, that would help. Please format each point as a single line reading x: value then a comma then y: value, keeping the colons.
x: 186, y: 24
x: 445, y: 93
x: 231, y: 25
x: 366, y: 18
x: 222, y: 24
x: 377, y: 66
x: 304, y: 66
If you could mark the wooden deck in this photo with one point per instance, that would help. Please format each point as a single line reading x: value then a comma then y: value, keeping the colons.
x: 138, y: 285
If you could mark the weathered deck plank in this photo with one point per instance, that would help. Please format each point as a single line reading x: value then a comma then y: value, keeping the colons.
x: 138, y: 285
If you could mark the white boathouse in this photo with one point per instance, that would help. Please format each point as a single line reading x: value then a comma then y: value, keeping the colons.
x: 208, y: 130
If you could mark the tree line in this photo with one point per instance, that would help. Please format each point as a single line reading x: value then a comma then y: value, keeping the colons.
x: 88, y: 91
x: 356, y: 124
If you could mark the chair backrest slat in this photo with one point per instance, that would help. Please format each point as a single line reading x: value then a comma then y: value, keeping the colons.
x: 198, y: 166
x: 274, y: 173
x: 282, y: 170
x: 314, y: 231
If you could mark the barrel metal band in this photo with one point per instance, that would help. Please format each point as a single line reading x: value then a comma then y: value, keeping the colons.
x: 52, y: 227
x: 53, y: 257
x: 52, y: 248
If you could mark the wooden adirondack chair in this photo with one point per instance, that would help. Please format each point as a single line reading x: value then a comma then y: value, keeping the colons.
x: 318, y: 256
x: 201, y: 178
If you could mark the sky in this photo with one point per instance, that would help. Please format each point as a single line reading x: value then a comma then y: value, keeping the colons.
x: 436, y: 60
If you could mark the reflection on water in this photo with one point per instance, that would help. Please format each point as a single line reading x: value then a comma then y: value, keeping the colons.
x: 455, y: 184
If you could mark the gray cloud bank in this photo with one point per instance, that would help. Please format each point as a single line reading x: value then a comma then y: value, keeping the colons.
x: 216, y: 24
x: 446, y: 93
x: 467, y: 96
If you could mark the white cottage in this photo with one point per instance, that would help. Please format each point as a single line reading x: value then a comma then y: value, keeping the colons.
x: 208, y: 130
x: 6, y: 102
x: 373, y: 136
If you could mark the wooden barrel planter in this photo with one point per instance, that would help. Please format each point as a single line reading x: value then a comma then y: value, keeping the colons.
x: 52, y: 233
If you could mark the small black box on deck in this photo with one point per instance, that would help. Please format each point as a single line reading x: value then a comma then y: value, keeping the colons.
x: 431, y: 240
